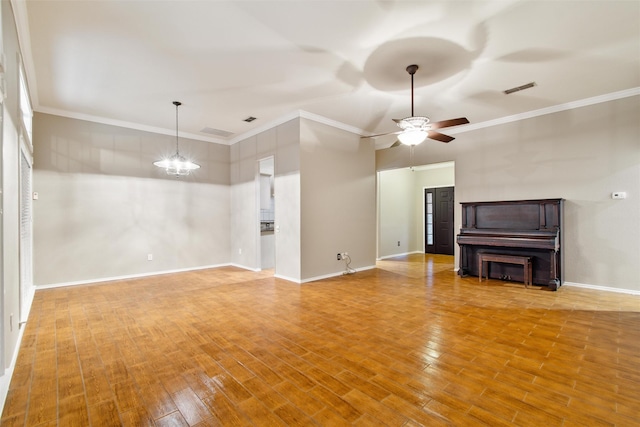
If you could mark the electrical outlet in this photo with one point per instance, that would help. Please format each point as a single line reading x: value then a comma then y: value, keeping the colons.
x: 149, y: 257
x: 339, y: 256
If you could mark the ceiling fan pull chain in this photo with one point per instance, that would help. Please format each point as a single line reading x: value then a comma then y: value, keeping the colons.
x: 411, y: 148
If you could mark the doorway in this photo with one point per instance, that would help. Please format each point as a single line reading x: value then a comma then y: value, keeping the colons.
x: 438, y: 220
x: 267, y: 213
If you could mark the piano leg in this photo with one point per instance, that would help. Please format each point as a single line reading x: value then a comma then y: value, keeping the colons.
x: 554, y: 282
x: 463, y: 270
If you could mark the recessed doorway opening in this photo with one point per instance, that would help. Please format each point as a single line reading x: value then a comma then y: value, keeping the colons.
x: 403, y: 225
x: 267, y: 213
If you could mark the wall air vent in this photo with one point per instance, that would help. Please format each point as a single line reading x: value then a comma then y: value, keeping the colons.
x: 217, y: 132
x: 249, y: 119
x: 519, y: 88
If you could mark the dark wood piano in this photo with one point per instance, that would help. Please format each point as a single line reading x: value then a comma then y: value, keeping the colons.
x: 519, y: 227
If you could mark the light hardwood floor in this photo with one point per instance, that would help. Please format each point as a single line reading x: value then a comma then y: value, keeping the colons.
x: 406, y: 344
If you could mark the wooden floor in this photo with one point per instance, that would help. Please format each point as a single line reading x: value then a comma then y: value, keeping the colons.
x: 406, y: 344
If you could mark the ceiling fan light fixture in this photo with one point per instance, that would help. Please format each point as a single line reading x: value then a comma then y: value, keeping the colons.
x: 412, y: 136
x: 177, y: 165
x: 414, y: 122
x: 415, y: 129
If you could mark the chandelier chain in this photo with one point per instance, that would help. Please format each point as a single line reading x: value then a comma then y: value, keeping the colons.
x: 177, y: 104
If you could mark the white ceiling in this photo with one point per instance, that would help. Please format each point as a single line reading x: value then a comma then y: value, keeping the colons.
x: 124, y: 62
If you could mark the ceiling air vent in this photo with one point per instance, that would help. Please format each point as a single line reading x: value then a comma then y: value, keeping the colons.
x: 249, y: 119
x: 519, y: 88
x: 217, y: 132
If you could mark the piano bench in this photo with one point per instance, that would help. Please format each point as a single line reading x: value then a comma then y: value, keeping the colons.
x: 525, y: 261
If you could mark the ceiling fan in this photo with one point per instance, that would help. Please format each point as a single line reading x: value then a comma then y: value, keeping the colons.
x: 415, y: 129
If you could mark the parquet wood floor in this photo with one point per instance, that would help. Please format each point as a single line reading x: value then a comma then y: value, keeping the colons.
x: 406, y: 344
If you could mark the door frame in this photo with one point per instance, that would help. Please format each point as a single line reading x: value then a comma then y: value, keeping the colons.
x: 272, y: 158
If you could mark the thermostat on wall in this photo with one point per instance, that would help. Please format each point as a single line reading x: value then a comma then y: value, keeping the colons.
x: 619, y: 195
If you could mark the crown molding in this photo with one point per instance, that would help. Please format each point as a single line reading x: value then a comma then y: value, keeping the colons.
x: 440, y: 165
x: 125, y: 124
x: 302, y: 114
x: 266, y: 126
x: 333, y: 123
x: 339, y: 125
x: 547, y: 110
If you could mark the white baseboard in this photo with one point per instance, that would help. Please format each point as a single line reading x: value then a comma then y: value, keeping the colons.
x: 129, y: 276
x: 341, y: 273
x: 30, y: 295
x: 244, y: 267
x: 324, y: 276
x: 5, y: 380
x: 397, y: 255
x: 603, y: 288
x: 288, y: 279
x: 157, y: 273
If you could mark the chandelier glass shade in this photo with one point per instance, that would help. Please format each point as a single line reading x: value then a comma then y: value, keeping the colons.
x: 412, y: 137
x: 177, y: 165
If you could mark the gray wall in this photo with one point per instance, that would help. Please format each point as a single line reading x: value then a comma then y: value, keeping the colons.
x: 338, y: 199
x: 396, y: 212
x: 581, y: 155
x: 324, y: 199
x: 103, y: 206
x: 282, y: 142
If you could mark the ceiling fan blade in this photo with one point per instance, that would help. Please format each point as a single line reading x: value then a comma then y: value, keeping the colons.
x: 448, y: 123
x: 439, y: 136
x: 381, y: 134
x: 397, y: 120
x: 395, y: 144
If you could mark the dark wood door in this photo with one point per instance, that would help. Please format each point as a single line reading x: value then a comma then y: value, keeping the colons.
x: 439, y: 234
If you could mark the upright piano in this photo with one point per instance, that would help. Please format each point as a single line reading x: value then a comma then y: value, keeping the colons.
x: 530, y: 228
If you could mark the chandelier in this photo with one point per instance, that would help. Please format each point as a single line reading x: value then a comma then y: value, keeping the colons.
x: 177, y: 165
